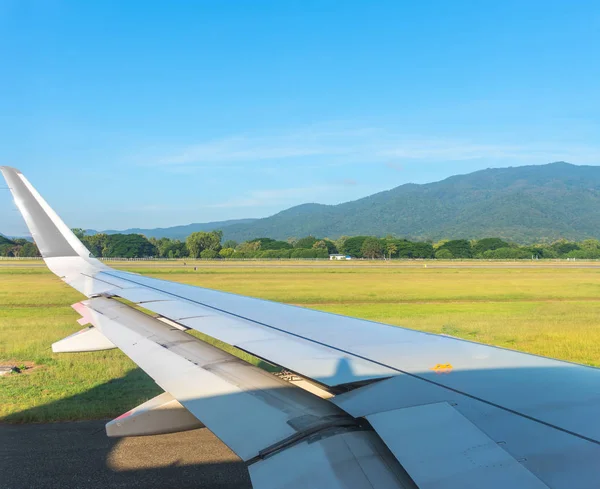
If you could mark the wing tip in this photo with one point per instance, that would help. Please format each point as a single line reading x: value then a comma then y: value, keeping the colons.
x: 10, y: 168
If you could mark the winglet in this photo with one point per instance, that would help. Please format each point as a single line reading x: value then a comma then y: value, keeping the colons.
x: 52, y: 236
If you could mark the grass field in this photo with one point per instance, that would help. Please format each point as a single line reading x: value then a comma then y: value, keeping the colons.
x: 548, y: 309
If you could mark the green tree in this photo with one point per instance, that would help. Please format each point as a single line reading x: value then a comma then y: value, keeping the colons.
x: 589, y: 249
x: 269, y: 254
x: 14, y: 250
x: 331, y: 246
x: 5, y: 249
x: 230, y: 243
x: 590, y: 245
x: 248, y: 247
x: 439, y: 244
x: 194, y: 244
x: 197, y: 242
x: 325, y: 244
x: 303, y: 253
x: 4, y: 240
x: 79, y: 233
x: 404, y: 248
x: 173, y: 249
x: 11, y: 247
x: 29, y: 249
x: 321, y: 253
x: 372, y: 248
x: 128, y: 246
x: 352, y: 246
x: 589, y: 254
x: 272, y: 244
x: 563, y: 247
x: 168, y: 248
x: 309, y: 253
x: 422, y: 250
x: 507, y: 253
x: 486, y: 244
x: 391, y: 249
x: 226, y: 252
x: 444, y: 254
x: 339, y: 243
x: 209, y: 254
x: 460, y: 248
x: 97, y: 244
x: 306, y: 242
x: 544, y: 251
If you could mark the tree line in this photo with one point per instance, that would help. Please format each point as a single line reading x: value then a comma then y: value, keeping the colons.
x: 18, y: 247
x: 210, y: 245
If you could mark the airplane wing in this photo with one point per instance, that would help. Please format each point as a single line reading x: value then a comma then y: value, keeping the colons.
x: 377, y: 406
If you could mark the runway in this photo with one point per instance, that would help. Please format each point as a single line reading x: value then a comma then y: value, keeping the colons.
x: 80, y: 455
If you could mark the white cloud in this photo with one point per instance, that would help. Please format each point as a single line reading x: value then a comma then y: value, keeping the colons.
x: 276, y: 146
x: 366, y: 145
x: 260, y: 198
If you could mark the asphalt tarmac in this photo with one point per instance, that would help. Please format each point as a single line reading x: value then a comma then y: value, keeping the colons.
x: 80, y: 455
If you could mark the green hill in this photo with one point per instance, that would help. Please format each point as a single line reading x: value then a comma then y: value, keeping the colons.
x: 522, y: 204
x: 4, y: 240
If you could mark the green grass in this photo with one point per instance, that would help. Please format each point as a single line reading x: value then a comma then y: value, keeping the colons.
x: 549, y: 310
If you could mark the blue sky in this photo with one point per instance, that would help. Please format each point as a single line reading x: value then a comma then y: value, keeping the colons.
x: 148, y: 113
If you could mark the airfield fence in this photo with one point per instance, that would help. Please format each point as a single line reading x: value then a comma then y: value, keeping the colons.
x: 20, y: 258
x: 188, y: 259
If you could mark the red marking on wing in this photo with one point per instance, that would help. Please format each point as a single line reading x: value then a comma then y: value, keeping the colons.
x: 124, y: 415
x: 85, y: 313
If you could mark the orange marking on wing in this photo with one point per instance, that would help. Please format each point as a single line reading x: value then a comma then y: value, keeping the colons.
x: 442, y: 368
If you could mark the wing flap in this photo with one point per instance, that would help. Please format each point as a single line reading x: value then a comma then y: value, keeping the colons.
x: 87, y: 339
x: 247, y: 408
x: 351, y: 460
x: 436, y: 435
x: 560, y: 459
x: 161, y: 414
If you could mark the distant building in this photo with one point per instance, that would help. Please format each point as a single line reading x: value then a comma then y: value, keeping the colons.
x: 339, y: 257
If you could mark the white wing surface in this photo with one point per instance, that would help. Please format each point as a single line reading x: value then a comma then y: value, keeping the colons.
x: 410, y: 409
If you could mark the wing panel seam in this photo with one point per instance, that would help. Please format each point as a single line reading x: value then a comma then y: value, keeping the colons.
x: 531, y: 418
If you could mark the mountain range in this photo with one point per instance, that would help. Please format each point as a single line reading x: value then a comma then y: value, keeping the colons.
x: 176, y: 232
x: 522, y: 204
